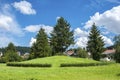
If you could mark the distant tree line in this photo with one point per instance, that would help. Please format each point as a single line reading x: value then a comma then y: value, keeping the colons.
x: 20, y: 49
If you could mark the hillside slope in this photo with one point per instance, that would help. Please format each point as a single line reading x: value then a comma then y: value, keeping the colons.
x: 57, y: 60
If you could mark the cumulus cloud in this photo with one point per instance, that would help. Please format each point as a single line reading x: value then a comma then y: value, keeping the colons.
x: 80, y: 33
x: 36, y: 28
x: 24, y: 7
x: 109, y: 19
x: 9, y: 26
x: 81, y: 39
x: 5, y: 40
x: 81, y: 42
x: 32, y: 41
x: 107, y: 41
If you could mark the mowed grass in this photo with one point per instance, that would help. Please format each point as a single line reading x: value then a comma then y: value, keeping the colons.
x: 107, y: 72
x: 57, y: 60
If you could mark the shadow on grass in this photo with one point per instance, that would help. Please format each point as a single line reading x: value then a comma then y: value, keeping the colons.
x: 118, y: 74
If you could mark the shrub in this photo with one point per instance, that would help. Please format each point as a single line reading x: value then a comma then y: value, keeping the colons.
x: 27, y: 65
x: 11, y: 56
x: 82, y: 53
x: 2, y: 60
x: 82, y: 64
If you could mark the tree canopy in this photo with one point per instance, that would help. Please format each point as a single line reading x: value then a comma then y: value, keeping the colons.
x: 41, y: 47
x: 95, y: 44
x: 61, y: 37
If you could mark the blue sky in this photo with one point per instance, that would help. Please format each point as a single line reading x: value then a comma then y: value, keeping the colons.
x: 21, y: 19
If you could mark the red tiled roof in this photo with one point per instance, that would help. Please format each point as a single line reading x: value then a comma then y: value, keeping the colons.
x: 109, y: 51
x: 70, y: 52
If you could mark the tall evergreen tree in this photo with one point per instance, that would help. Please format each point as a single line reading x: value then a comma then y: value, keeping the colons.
x: 95, y: 43
x: 41, y: 47
x: 61, y: 37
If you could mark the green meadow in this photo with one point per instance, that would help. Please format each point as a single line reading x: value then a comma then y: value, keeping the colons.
x: 106, y: 72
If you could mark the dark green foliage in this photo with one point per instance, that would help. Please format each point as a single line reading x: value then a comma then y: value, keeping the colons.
x: 117, y: 47
x: 95, y: 43
x: 11, y: 54
x: 2, y: 60
x: 2, y: 50
x: 117, y: 54
x: 82, y: 53
x: 27, y: 65
x: 61, y: 37
x: 41, y: 47
x: 117, y: 41
x: 23, y: 50
x: 10, y: 47
x: 82, y: 64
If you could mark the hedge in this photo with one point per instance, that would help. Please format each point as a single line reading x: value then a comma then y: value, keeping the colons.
x: 27, y: 64
x: 81, y: 64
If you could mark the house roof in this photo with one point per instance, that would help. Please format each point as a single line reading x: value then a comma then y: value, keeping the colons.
x: 109, y: 51
x: 70, y: 52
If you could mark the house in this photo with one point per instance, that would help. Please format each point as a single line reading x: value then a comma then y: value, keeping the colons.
x: 108, y: 54
x: 1, y: 54
x: 26, y: 56
x: 70, y: 53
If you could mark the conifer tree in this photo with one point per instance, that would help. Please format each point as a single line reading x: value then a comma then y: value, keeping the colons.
x: 61, y: 37
x: 41, y: 47
x: 95, y: 43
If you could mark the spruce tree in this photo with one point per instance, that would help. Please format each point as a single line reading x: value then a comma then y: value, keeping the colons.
x: 95, y: 43
x: 61, y: 37
x: 41, y: 47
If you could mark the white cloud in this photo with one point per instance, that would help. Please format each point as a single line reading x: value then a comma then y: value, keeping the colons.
x: 58, y: 18
x: 32, y: 28
x: 81, y: 42
x: 80, y: 33
x: 9, y: 27
x: 32, y: 41
x: 36, y: 28
x: 81, y: 39
x: 107, y: 41
x: 24, y: 7
x: 9, y: 24
x: 110, y: 19
x: 6, y: 39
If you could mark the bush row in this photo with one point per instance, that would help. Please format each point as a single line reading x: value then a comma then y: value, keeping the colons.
x: 82, y: 64
x: 61, y: 65
x: 27, y: 65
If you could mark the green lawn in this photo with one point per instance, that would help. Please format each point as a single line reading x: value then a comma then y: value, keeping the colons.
x: 107, y: 72
x: 57, y: 60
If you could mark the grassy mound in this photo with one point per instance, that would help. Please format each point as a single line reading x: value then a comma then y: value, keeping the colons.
x: 58, y: 61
